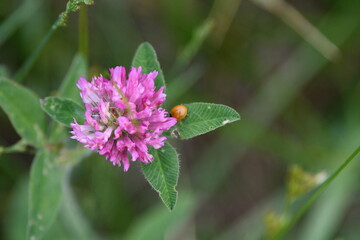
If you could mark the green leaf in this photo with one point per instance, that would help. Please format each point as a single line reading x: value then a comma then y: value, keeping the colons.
x: 17, y: 211
x: 77, y: 69
x: 163, y: 173
x: 63, y: 110
x: 45, y: 193
x: 74, y: 221
x: 68, y: 89
x: 204, y: 117
x: 145, y: 57
x: 4, y: 71
x: 23, y: 109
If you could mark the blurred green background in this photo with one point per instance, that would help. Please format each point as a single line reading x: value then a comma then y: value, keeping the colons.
x: 298, y: 95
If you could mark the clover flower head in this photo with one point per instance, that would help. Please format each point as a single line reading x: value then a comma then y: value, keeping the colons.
x: 123, y: 116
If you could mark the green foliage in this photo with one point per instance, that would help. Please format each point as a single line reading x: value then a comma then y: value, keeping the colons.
x: 297, y: 110
x: 23, y: 109
x: 72, y: 6
x: 163, y: 173
x: 17, y: 212
x: 71, y: 216
x: 145, y: 57
x: 63, y: 110
x: 4, y: 71
x: 300, y: 207
x: 45, y: 193
x: 78, y: 68
x: 204, y: 117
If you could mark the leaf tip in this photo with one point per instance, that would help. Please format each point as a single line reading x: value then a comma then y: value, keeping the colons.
x: 172, y: 204
x: 147, y: 44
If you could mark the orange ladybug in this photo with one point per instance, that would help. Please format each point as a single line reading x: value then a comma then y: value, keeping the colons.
x: 179, y: 112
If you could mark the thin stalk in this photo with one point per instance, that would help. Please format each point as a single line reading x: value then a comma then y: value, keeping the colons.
x: 72, y: 6
x: 302, y: 26
x: 316, y: 195
x: 83, y: 32
x: 24, y: 69
x: 18, y: 147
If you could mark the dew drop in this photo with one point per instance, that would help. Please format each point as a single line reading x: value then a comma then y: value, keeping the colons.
x: 45, y: 172
x: 209, y: 107
x: 40, y: 216
x: 32, y: 238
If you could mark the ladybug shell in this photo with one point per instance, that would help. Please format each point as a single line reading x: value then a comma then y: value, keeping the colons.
x: 179, y: 112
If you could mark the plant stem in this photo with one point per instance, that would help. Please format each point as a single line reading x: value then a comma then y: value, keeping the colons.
x: 60, y: 21
x: 83, y: 32
x: 316, y: 195
x: 24, y: 69
x: 18, y: 147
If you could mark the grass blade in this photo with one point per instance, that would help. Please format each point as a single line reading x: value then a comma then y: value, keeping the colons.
x: 315, y: 195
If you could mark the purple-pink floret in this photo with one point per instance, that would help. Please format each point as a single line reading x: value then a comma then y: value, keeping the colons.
x: 123, y: 116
